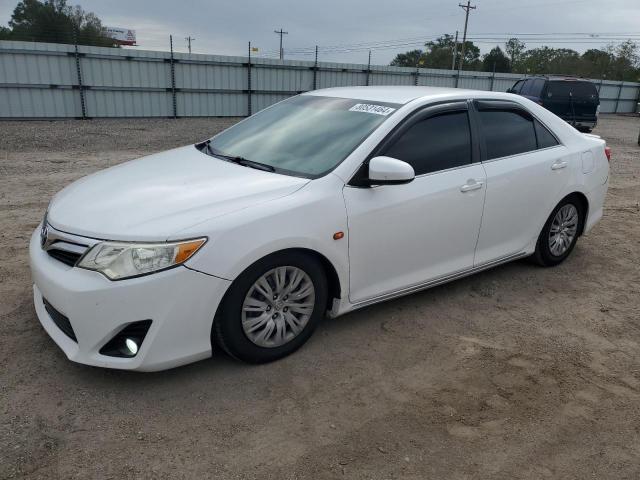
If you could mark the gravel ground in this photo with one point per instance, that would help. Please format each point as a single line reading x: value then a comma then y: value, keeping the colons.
x: 517, y: 372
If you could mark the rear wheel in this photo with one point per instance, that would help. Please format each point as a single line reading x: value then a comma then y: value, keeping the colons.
x: 560, y: 233
x: 272, y: 308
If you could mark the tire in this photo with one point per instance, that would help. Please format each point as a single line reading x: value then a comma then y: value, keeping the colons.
x: 549, y: 253
x: 245, y: 315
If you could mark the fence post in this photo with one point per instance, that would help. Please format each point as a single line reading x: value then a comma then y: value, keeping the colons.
x: 493, y: 77
x: 249, y: 109
x: 315, y: 71
x: 618, y: 97
x: 173, y: 80
x: 79, y: 73
x: 368, y: 68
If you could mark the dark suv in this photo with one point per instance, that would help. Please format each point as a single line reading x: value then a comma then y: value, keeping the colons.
x: 574, y: 100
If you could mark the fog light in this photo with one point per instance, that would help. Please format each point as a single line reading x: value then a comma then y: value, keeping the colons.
x: 127, y: 342
x: 131, y: 345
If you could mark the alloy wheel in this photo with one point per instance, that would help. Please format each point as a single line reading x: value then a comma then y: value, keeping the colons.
x: 563, y: 229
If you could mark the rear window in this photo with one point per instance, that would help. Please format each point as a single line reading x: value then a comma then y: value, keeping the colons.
x: 566, y: 88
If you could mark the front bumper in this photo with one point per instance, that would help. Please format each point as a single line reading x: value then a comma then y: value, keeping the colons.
x: 180, y: 302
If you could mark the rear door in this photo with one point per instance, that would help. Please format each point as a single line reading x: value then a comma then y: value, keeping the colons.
x: 571, y: 98
x: 526, y: 170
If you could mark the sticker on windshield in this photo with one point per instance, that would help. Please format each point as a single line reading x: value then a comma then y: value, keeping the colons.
x: 370, y: 108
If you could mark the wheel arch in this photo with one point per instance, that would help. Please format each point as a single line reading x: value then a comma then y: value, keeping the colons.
x: 584, y: 203
x: 333, y: 278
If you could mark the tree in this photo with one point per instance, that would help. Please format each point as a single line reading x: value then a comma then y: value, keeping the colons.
x: 596, y: 63
x: 514, y: 48
x: 408, y: 59
x: 496, y: 58
x: 55, y: 22
x: 626, y: 61
x: 616, y: 62
x: 551, y: 60
x: 439, y: 54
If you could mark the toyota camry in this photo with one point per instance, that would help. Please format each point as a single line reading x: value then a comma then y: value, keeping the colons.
x: 318, y: 205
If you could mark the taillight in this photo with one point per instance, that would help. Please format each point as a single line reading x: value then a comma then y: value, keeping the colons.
x: 607, y: 152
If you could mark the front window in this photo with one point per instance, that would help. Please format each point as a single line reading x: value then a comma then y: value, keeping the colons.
x: 306, y: 135
x: 437, y: 143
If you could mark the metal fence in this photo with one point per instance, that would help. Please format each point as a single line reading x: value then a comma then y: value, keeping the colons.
x: 45, y: 80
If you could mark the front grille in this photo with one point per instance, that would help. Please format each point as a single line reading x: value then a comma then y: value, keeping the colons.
x: 68, y: 258
x: 60, y: 320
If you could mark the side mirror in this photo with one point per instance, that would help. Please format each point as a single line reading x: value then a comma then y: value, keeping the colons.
x: 389, y: 171
x: 509, y: 90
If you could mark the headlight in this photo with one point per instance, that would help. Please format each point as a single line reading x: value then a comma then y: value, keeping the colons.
x: 117, y: 260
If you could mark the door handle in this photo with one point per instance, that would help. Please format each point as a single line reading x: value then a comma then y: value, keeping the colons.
x: 559, y: 165
x: 470, y: 186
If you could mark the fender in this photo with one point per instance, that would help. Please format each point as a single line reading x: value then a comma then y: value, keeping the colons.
x: 308, y: 219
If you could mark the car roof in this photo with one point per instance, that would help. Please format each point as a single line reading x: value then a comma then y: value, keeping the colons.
x: 394, y: 94
x: 556, y: 78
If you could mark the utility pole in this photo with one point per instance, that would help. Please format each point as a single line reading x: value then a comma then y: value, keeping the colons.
x: 281, y: 32
x: 455, y: 52
x: 189, y: 39
x: 466, y: 8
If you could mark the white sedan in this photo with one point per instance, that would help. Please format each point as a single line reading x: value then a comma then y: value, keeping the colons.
x: 321, y: 204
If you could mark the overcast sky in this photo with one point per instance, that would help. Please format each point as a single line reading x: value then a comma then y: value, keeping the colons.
x: 224, y: 28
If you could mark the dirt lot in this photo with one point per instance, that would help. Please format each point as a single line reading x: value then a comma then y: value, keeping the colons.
x: 518, y: 372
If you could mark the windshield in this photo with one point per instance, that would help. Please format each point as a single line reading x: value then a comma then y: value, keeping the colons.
x: 305, y: 135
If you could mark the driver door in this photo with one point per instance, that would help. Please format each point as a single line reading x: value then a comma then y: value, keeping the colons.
x: 404, y: 236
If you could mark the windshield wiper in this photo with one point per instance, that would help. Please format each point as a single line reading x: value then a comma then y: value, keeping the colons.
x: 238, y: 159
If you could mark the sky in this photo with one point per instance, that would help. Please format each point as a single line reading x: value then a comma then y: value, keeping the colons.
x: 345, y: 29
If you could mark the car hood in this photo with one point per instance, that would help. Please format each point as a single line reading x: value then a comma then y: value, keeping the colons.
x: 156, y: 196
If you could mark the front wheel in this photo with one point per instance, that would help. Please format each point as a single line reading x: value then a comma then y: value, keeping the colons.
x: 272, y: 308
x: 560, y: 233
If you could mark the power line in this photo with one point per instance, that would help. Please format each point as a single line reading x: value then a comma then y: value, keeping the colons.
x: 569, y: 37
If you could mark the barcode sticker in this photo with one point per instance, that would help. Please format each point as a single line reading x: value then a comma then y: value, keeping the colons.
x: 370, y: 108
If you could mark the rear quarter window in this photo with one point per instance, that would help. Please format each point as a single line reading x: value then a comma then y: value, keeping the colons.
x: 545, y: 137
